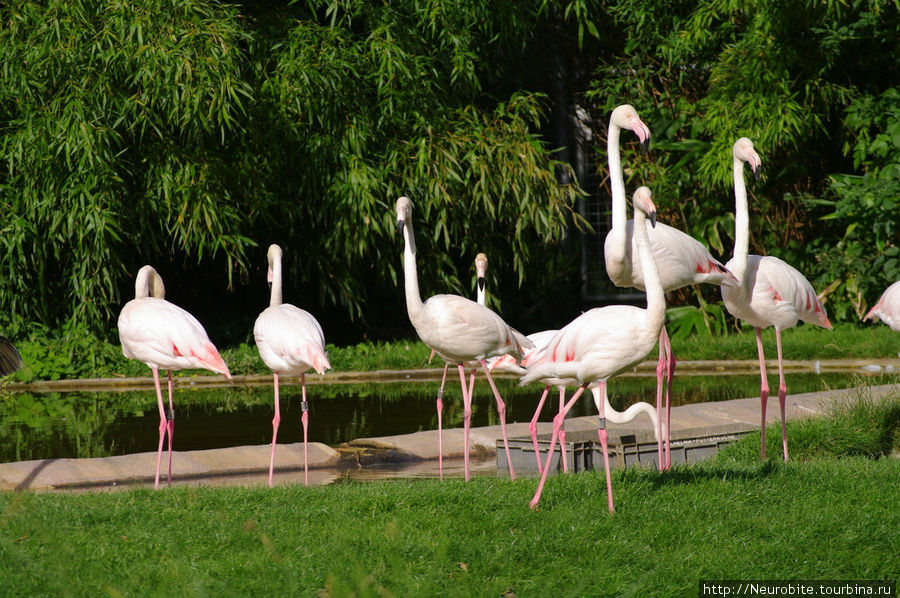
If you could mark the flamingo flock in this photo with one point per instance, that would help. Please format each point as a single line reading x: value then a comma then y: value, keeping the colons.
x: 586, y: 353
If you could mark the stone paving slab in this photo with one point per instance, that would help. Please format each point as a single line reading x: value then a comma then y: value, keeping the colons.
x: 249, y: 464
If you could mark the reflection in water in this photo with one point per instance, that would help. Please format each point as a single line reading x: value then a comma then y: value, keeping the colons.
x: 59, y: 425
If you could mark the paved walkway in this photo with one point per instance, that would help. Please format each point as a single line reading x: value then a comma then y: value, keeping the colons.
x: 408, y: 455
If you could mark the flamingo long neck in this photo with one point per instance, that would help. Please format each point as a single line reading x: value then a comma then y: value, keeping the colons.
x: 616, y: 179
x: 414, y: 305
x: 738, y: 263
x: 623, y: 417
x: 149, y: 284
x: 656, y: 299
x: 275, y: 280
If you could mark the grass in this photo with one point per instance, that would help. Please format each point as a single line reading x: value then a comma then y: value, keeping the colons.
x: 824, y: 515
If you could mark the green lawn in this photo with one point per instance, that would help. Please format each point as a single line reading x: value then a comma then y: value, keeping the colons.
x: 831, y: 513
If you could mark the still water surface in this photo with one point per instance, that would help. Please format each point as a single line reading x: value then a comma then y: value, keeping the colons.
x: 100, y: 424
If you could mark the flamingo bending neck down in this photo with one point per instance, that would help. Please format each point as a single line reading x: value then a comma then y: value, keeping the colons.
x: 771, y: 292
x: 458, y: 329
x: 290, y: 342
x: 602, y: 342
x: 680, y: 259
x: 887, y: 308
x: 164, y: 336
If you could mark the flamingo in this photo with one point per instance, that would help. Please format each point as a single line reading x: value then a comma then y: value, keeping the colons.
x: 10, y: 360
x: 459, y: 330
x: 290, y: 342
x: 680, y: 259
x: 771, y: 293
x: 481, y: 262
x: 164, y: 336
x: 603, y: 341
x: 888, y: 307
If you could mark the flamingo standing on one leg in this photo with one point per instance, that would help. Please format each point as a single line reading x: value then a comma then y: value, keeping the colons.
x: 10, y: 360
x: 771, y: 293
x: 164, y: 336
x: 680, y: 259
x: 458, y: 329
x: 290, y: 342
x: 481, y: 262
x: 603, y: 341
x: 888, y: 307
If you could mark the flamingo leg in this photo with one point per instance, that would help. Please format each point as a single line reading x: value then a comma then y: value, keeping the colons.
x: 763, y: 390
x: 782, y: 394
x: 163, y: 425
x: 670, y: 376
x: 604, y: 444
x: 532, y: 427
x: 501, y: 409
x: 467, y: 418
x: 170, y: 426
x: 562, y: 431
x: 660, y: 372
x: 304, y: 419
x: 557, y: 425
x: 275, y: 422
x: 440, y: 409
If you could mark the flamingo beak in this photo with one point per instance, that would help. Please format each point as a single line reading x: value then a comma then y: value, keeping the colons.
x: 652, y: 217
x: 481, y: 283
x: 643, y: 133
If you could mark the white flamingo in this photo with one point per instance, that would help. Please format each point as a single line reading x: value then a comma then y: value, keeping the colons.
x: 459, y: 330
x: 771, y: 292
x: 164, y: 336
x: 888, y: 307
x: 602, y: 342
x: 290, y: 342
x: 680, y: 259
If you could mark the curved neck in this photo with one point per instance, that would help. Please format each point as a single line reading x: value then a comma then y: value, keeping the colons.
x: 414, y: 303
x: 616, y: 178
x: 275, y: 281
x: 149, y: 284
x: 738, y: 263
x: 656, y: 300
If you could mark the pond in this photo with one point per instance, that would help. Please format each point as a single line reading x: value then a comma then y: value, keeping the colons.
x: 99, y: 424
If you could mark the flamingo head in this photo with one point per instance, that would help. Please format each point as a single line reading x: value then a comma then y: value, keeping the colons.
x: 481, y: 262
x: 273, y: 255
x: 626, y: 117
x: 743, y: 151
x: 642, y: 200
x: 404, y: 216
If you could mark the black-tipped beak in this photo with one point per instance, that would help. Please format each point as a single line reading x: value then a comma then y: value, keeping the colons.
x: 652, y: 217
x: 756, y: 170
x: 400, y: 225
x: 645, y: 145
x: 480, y: 282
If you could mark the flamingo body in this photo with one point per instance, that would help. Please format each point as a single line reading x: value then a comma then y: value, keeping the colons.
x: 888, y: 307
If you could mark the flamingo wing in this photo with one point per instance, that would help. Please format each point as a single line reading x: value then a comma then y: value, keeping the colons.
x: 290, y: 340
x: 888, y: 307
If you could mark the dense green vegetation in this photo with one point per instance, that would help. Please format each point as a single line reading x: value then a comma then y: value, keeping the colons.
x: 829, y: 514
x: 192, y: 134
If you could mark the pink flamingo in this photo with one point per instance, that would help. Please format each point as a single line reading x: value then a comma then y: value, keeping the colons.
x: 290, y: 342
x: 888, y: 307
x: 603, y: 341
x: 481, y: 263
x: 771, y: 292
x: 164, y: 336
x: 680, y: 259
x: 10, y: 360
x: 459, y: 330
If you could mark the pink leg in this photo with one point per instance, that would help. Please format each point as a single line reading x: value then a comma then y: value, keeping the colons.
x: 670, y: 376
x: 562, y: 431
x: 275, y: 421
x: 557, y: 425
x: 163, y: 426
x: 782, y: 394
x: 304, y: 419
x: 604, y: 444
x: 501, y: 409
x: 170, y: 426
x: 440, y: 409
x: 660, y: 373
x: 467, y: 418
x: 763, y: 389
x: 532, y: 427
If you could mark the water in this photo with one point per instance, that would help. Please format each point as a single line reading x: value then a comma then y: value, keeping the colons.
x: 100, y: 424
